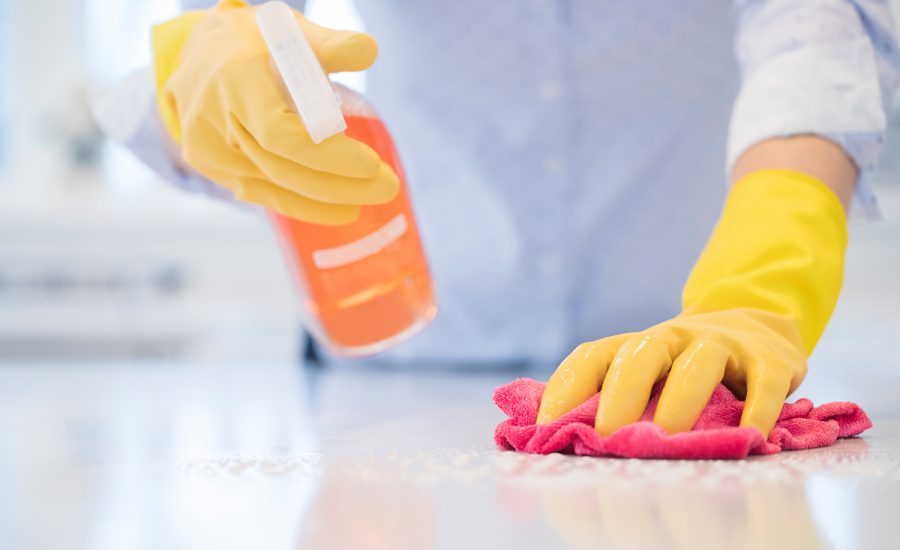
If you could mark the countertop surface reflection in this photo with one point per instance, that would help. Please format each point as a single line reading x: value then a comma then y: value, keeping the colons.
x: 195, y: 457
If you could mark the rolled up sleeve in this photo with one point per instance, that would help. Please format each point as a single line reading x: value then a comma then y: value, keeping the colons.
x: 822, y: 67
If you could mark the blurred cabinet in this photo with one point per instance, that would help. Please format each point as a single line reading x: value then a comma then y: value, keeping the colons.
x: 181, y: 278
x: 99, y: 259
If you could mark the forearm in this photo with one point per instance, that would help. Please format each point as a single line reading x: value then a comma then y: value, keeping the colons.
x: 817, y: 79
x: 808, y: 154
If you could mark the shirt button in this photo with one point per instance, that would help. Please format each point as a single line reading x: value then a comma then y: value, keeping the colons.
x: 549, y: 90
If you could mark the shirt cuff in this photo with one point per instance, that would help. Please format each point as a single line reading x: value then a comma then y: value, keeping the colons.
x: 830, y: 89
x: 127, y: 114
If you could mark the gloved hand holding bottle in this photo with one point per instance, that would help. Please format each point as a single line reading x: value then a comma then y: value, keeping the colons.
x: 221, y: 100
x: 754, y: 307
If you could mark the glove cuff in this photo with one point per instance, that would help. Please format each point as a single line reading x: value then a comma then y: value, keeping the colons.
x: 778, y: 246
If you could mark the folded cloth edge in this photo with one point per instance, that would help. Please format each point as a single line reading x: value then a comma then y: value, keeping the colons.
x: 716, y: 435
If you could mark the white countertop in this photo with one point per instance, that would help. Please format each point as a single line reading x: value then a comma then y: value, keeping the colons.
x: 187, y: 456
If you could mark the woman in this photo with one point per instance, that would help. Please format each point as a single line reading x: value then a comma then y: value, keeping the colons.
x: 565, y: 160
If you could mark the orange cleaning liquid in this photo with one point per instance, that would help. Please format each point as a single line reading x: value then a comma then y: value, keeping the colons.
x: 366, y: 283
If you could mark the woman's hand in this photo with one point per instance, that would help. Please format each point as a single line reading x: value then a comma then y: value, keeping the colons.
x: 754, y: 353
x: 221, y: 99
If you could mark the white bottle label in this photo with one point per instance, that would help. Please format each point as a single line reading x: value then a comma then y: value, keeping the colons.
x: 372, y: 243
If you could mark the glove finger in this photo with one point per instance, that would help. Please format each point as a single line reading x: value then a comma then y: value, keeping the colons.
x: 207, y: 153
x: 339, y: 51
x: 233, y: 170
x: 263, y: 109
x: 283, y: 134
x: 292, y: 205
x: 316, y: 185
x: 692, y: 379
x: 577, y: 378
x: 767, y: 388
x: 641, y: 362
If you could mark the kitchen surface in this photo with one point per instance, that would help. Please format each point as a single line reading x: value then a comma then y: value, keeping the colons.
x: 267, y: 456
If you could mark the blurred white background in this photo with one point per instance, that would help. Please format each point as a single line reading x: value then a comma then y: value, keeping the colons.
x: 101, y: 260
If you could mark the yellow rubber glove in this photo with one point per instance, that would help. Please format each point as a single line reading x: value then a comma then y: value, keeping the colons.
x: 220, y: 99
x: 754, y: 307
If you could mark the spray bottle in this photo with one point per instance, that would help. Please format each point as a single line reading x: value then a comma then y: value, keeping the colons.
x: 364, y: 286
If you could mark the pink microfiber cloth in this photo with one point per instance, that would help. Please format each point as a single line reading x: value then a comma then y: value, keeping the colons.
x: 716, y: 434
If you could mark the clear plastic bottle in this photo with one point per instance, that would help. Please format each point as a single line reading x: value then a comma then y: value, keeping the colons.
x: 365, y: 286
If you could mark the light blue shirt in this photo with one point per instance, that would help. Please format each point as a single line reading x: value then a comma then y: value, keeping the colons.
x: 567, y: 159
